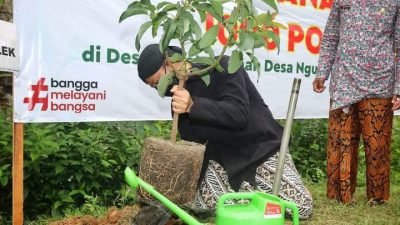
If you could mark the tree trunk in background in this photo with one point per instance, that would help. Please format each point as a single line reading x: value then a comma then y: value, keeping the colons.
x: 6, y: 11
x: 5, y: 89
x: 6, y: 14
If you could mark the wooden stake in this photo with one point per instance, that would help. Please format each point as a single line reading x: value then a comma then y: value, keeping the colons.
x: 18, y: 174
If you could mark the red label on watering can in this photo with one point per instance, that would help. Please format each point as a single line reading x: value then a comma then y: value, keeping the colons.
x: 272, y: 211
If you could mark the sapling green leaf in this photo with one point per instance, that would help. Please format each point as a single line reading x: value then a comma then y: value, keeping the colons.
x: 143, y: 28
x: 209, y: 37
x: 163, y: 83
x: 235, y: 61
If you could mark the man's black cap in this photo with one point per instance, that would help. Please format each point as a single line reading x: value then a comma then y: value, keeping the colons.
x: 151, y: 59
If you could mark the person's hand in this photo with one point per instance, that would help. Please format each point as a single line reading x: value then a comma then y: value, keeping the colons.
x: 181, y: 100
x: 396, y: 102
x: 318, y: 84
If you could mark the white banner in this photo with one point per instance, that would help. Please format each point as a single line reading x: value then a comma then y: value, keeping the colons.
x: 8, y: 47
x: 79, y: 64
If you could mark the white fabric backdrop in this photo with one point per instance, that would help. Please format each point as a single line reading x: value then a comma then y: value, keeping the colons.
x: 72, y: 47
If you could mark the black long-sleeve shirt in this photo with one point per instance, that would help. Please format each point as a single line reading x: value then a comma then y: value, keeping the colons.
x: 231, y: 118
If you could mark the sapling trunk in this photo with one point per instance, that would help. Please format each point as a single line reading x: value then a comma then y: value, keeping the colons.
x: 174, y: 130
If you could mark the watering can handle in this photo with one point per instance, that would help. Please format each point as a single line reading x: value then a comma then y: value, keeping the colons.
x: 131, y: 178
x: 234, y: 195
x: 295, y: 211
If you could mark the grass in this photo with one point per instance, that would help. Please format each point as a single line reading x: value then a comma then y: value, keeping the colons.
x: 326, y: 212
x: 331, y: 212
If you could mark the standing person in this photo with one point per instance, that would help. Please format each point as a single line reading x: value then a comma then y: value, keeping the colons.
x: 358, y: 52
x: 241, y: 136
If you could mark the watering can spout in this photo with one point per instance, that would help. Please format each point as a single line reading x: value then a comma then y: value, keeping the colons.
x: 134, y: 181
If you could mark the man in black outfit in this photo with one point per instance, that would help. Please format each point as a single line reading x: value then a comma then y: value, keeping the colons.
x: 228, y: 115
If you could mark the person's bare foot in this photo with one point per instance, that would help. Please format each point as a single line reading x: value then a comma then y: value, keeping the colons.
x: 376, y: 202
x: 353, y: 201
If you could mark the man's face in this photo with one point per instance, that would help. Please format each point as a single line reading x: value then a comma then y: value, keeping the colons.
x: 153, y: 79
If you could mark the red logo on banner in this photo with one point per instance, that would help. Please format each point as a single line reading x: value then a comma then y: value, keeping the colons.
x: 37, y: 88
x: 65, y: 95
x: 272, y: 211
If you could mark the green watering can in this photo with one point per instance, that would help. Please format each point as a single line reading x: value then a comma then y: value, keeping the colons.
x: 259, y: 209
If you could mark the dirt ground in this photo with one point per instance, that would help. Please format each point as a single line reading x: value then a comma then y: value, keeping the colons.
x: 114, y: 216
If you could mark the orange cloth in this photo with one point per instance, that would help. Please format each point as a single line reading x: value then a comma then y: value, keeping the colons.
x: 371, y: 118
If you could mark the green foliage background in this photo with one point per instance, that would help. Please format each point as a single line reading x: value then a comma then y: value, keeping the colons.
x: 68, y: 165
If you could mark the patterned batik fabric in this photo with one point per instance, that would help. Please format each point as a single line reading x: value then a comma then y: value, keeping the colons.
x: 215, y: 184
x: 358, y: 50
x: 371, y: 118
